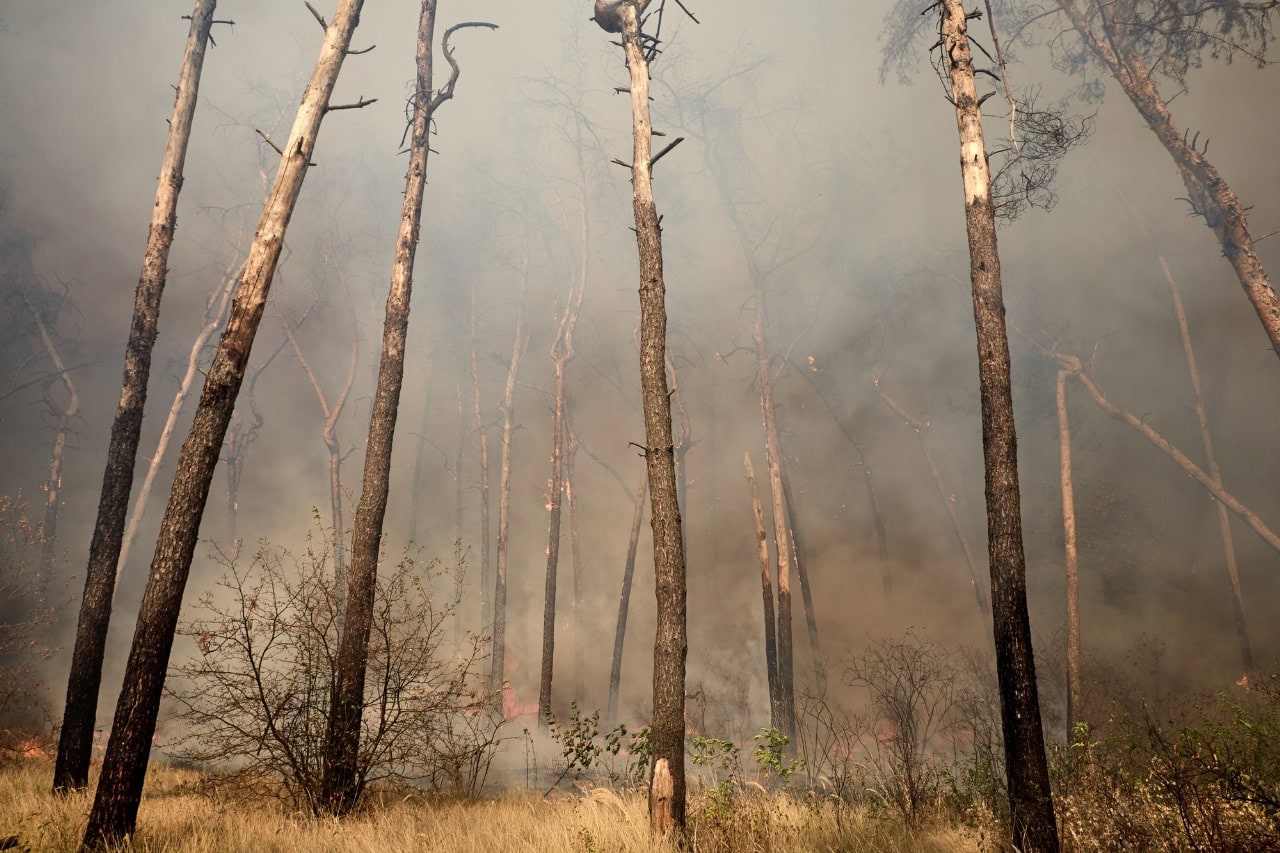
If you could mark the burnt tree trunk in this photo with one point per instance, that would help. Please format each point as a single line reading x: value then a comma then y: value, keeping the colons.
x: 1211, y: 197
x: 766, y: 586
x: 806, y: 591
x: 344, y: 778
x: 1030, y: 798
x: 519, y: 343
x: 561, y: 353
x: 667, y: 780
x: 115, y: 806
x: 482, y: 430
x: 420, y: 454
x: 781, y: 530
x: 555, y: 494
x: 79, y: 716
x: 575, y: 557
x: 624, y: 601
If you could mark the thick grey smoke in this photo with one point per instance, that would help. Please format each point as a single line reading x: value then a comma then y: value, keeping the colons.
x: 852, y: 183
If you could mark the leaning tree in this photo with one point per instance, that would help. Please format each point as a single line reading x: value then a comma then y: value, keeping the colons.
x: 115, y: 805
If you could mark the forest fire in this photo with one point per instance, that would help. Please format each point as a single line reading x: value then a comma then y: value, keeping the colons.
x: 33, y: 747
x: 963, y: 534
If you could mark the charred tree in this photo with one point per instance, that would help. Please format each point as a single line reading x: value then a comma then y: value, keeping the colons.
x: 482, y: 432
x: 1030, y: 798
x: 520, y: 342
x: 667, y: 779
x: 115, y: 806
x: 766, y: 585
x: 75, y: 742
x: 1116, y: 37
x: 343, y: 779
x: 781, y: 529
x: 561, y: 353
x: 624, y: 601
x: 575, y: 558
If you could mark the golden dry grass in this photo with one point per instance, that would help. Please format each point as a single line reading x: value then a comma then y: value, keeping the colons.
x: 178, y: 814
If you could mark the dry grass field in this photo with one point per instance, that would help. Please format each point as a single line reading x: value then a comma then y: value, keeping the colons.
x: 182, y: 813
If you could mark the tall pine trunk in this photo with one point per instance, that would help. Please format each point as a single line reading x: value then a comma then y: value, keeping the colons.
x: 624, y: 601
x: 781, y: 529
x: 555, y: 492
x: 344, y: 778
x: 1071, y: 557
x: 115, y: 806
x: 79, y: 716
x: 667, y: 780
x: 1030, y: 798
x: 482, y: 429
x: 1211, y: 197
x: 520, y: 341
x: 766, y: 588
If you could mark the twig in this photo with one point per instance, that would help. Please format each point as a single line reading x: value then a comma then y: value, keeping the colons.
x: 358, y: 105
x: 663, y: 152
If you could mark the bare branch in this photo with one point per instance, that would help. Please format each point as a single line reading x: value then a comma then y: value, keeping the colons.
x: 318, y: 16
x: 358, y: 105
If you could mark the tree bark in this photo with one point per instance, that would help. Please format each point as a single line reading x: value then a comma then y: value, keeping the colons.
x: 1210, y: 196
x: 555, y: 490
x: 624, y: 600
x: 781, y: 530
x: 667, y: 788
x: 75, y: 742
x: 115, y: 807
x: 575, y: 557
x: 766, y: 585
x: 343, y: 778
x: 1030, y: 798
x: 806, y: 591
x: 519, y: 343
x: 1071, y: 557
x: 482, y: 429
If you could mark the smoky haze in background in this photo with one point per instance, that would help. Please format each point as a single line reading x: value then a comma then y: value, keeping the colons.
x: 860, y: 176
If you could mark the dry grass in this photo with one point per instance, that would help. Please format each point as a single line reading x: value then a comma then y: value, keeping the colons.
x: 180, y: 813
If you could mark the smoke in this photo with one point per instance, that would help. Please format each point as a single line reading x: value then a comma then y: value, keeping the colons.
x: 847, y: 186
